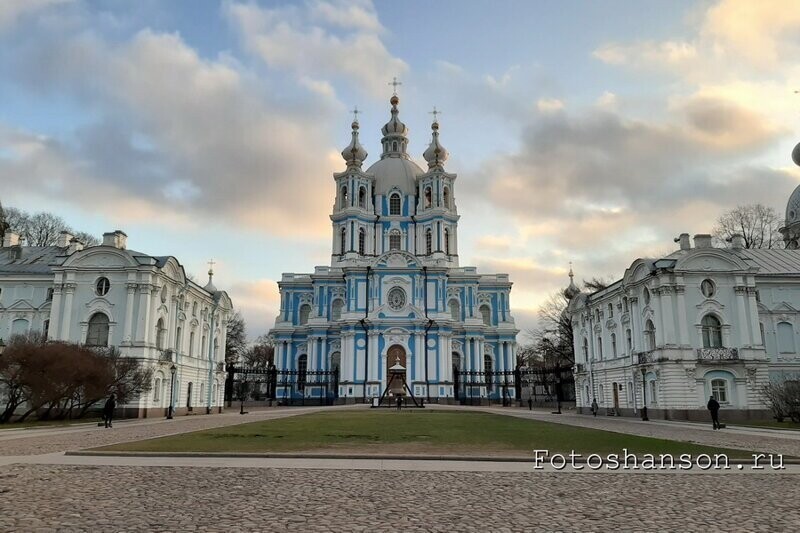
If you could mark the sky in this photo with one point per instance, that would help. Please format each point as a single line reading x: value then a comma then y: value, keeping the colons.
x: 583, y: 132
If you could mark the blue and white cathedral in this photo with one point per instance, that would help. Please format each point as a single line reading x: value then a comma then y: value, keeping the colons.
x: 394, y: 292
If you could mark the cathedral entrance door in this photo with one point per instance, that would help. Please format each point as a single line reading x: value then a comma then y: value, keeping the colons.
x: 396, y: 354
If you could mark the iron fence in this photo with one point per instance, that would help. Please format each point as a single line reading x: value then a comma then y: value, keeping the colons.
x: 284, y: 387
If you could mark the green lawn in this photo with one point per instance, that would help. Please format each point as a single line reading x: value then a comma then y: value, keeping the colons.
x: 424, y: 432
x: 771, y: 424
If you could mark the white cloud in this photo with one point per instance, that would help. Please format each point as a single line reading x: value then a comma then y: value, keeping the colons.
x: 13, y: 10
x: 287, y: 39
x: 549, y: 105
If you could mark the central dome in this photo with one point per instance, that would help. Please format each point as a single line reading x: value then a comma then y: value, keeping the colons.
x: 395, y: 172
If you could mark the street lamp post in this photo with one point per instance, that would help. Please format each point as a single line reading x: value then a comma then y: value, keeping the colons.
x: 172, y: 370
x: 2, y: 346
x: 644, y: 396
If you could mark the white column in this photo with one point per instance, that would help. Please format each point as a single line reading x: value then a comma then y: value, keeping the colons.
x: 128, y: 327
x: 144, y: 313
x: 55, y: 313
x: 741, y: 309
x: 325, y: 364
x: 682, y: 320
x: 67, y: 313
x: 312, y: 353
x: 755, y: 324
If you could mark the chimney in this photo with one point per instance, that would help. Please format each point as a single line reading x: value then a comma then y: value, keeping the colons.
x: 74, y: 246
x: 683, y: 239
x: 737, y: 241
x: 63, y: 239
x: 702, y: 240
x: 10, y: 239
x: 117, y: 239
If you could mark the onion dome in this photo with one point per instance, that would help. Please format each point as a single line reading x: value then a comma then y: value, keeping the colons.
x: 395, y: 133
x: 354, y: 154
x: 210, y: 285
x: 571, y: 291
x: 436, y: 154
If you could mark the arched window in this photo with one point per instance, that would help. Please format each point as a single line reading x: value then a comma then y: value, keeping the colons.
x: 19, y: 326
x: 785, y: 338
x: 610, y: 310
x: 161, y: 333
x: 394, y: 240
x: 628, y: 340
x: 302, y: 366
x: 486, y: 314
x: 394, y: 204
x: 428, y: 197
x: 394, y: 146
x: 191, y: 344
x: 587, y: 396
x: 428, y: 242
x: 649, y: 336
x: 157, y: 390
x: 487, y: 370
x: 600, y: 347
x: 362, y: 197
x: 719, y: 390
x: 343, y: 196
x: 446, y: 197
x: 97, y: 333
x: 447, y: 241
x: 625, y: 304
x: 194, y: 308
x: 343, y: 241
x: 178, y: 339
x: 602, y: 394
x: 613, y: 345
x: 305, y: 311
x: 362, y: 241
x: 653, y: 396
x: 586, y: 350
x: 336, y: 309
x: 712, y: 332
x: 455, y: 310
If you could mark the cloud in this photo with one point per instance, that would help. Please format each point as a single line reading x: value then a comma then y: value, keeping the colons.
x: 549, y: 105
x: 259, y: 301
x: 204, y: 140
x: 13, y: 10
x: 286, y: 38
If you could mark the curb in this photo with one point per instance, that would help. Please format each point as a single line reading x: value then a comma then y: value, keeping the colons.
x: 375, y: 457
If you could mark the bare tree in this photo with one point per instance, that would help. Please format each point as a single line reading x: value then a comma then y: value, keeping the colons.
x: 758, y: 224
x: 236, y: 338
x: 3, y: 223
x: 261, y: 354
x: 42, y: 229
x: 596, y: 284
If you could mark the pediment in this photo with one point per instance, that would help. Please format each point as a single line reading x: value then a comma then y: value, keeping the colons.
x: 396, y: 259
x: 710, y: 260
x: 21, y: 305
x: 784, y: 307
x: 100, y: 257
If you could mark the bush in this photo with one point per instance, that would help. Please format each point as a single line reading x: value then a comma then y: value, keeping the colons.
x: 783, y: 398
x: 56, y: 380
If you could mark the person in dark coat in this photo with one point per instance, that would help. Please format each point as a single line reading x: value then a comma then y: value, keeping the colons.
x: 530, y: 404
x: 399, y: 402
x: 108, y: 410
x: 713, y: 408
x: 595, y: 407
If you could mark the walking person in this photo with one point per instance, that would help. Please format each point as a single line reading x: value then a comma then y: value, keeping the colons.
x: 595, y: 407
x: 399, y: 402
x: 530, y: 404
x: 108, y: 410
x: 713, y: 408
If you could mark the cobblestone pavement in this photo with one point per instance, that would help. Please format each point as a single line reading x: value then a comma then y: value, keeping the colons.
x: 783, y: 442
x: 40, y: 441
x: 107, y: 498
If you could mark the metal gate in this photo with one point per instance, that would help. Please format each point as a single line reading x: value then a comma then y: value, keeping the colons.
x: 269, y: 385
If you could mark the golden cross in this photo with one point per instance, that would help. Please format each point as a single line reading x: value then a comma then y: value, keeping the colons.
x: 394, y: 83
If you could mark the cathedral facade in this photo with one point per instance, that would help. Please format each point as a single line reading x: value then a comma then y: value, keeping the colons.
x: 394, y: 293
x: 702, y: 321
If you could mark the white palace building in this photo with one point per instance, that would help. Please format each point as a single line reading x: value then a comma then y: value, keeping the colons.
x: 108, y: 295
x: 702, y: 321
x: 394, y: 292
